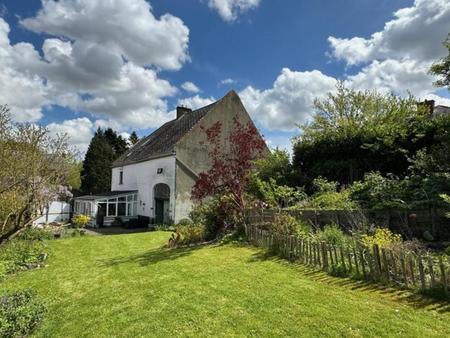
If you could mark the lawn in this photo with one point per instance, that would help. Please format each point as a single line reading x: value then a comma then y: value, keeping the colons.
x: 129, y: 286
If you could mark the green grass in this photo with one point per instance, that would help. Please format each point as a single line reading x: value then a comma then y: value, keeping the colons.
x: 128, y: 286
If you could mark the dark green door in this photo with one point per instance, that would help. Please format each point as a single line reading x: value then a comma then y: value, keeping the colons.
x: 159, y: 211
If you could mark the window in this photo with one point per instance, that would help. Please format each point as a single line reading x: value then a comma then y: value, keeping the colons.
x: 121, y: 206
x: 121, y: 177
x: 112, y: 209
x: 121, y: 209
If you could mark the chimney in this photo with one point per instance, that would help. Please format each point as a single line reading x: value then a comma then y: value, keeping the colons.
x: 429, y: 104
x: 182, y: 110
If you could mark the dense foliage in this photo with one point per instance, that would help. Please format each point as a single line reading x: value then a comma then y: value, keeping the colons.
x: 355, y: 132
x: 34, y: 170
x: 442, y: 68
x: 228, y: 178
x: 20, y: 313
x: 105, y: 147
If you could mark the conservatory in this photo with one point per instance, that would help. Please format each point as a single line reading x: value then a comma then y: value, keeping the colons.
x: 108, y: 208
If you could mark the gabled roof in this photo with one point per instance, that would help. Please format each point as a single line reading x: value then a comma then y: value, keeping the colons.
x: 163, y: 140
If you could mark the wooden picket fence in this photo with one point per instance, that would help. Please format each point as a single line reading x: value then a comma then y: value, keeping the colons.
x: 390, y: 267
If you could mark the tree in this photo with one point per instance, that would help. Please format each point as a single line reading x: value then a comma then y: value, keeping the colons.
x: 356, y: 132
x: 228, y: 177
x: 442, y: 67
x: 117, y: 142
x: 277, y: 166
x: 104, y: 148
x: 34, y: 166
x: 133, y: 138
x: 96, y: 174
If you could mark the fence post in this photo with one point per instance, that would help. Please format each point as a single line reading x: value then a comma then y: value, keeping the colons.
x: 421, y: 272
x: 349, y: 255
x: 363, y: 263
x: 341, y: 251
x: 411, y: 268
x: 385, y: 264
x: 377, y: 261
x: 430, y: 267
x: 403, y: 266
x: 324, y: 256
x: 356, y: 261
x: 443, y: 276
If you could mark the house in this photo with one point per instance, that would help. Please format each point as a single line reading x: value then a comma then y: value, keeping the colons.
x: 154, y: 178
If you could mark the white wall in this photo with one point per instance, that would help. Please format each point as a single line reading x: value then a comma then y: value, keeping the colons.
x: 56, y: 212
x: 143, y: 177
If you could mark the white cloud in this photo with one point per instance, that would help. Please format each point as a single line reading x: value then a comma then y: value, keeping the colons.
x: 290, y: 101
x: 190, y: 87
x: 195, y: 102
x: 22, y: 90
x: 126, y: 28
x: 227, y: 81
x: 438, y: 100
x: 415, y: 33
x: 230, y: 9
x: 392, y: 76
x: 80, y: 131
x: 94, y: 65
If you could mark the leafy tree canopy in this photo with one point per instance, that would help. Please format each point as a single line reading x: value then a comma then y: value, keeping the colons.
x: 356, y: 132
x: 442, y: 68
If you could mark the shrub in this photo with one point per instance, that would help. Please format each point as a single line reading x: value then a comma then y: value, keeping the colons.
x: 217, y: 215
x: 331, y: 234
x: 80, y: 221
x: 188, y: 234
x: 21, y: 254
x: 20, y: 313
x: 383, y: 237
x: 288, y: 225
x: 35, y: 234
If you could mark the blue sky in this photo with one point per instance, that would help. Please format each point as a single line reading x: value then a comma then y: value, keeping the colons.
x: 77, y: 65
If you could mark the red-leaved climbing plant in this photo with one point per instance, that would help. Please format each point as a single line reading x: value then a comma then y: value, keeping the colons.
x: 229, y: 173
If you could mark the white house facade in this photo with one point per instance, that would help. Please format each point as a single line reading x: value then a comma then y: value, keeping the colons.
x: 153, y: 180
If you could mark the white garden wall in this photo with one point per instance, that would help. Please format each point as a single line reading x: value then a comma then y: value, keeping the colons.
x: 56, y: 212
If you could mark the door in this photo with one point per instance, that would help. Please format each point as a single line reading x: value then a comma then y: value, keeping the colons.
x: 159, y: 211
x: 101, y: 211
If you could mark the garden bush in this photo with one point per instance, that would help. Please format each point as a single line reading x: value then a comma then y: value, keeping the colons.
x: 188, y: 234
x: 383, y: 237
x: 35, y: 234
x: 218, y: 215
x: 20, y: 313
x: 288, y: 225
x: 20, y: 255
x: 80, y: 221
x: 332, y: 234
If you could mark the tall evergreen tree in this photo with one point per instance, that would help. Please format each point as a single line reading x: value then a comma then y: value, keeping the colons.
x: 117, y: 142
x: 96, y: 174
x: 133, y: 138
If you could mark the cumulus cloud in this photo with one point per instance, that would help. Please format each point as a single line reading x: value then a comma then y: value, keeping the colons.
x: 80, y: 131
x: 21, y: 89
x: 129, y: 29
x: 195, y: 102
x: 229, y: 10
x: 290, y: 100
x: 108, y: 68
x: 393, y: 76
x: 415, y: 33
x: 190, y: 87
